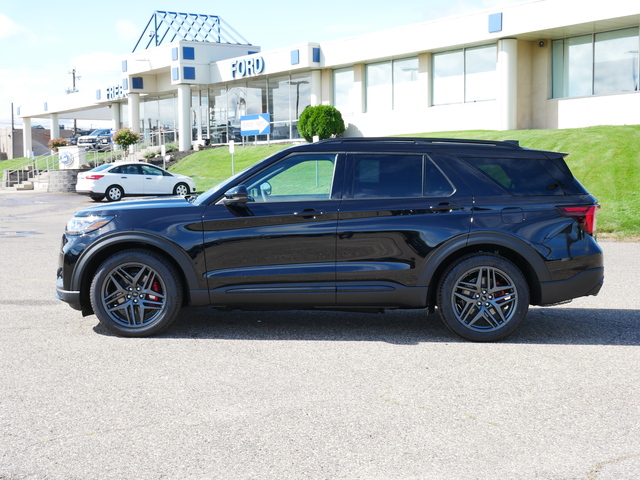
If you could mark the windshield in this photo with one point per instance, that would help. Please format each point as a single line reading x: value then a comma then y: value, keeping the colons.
x: 104, y: 166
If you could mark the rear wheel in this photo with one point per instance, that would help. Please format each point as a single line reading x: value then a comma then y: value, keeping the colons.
x: 181, y: 189
x: 114, y: 193
x: 136, y: 293
x: 483, y: 297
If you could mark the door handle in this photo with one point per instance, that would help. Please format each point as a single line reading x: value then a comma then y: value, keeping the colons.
x: 445, y: 207
x: 308, y: 213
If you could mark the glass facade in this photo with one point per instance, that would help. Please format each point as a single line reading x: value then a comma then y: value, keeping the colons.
x: 467, y: 75
x: 597, y: 64
x: 216, y: 112
x: 158, y: 123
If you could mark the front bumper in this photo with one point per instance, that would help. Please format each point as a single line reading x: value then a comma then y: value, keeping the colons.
x: 70, y: 297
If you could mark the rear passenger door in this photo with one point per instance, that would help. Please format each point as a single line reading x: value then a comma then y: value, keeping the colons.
x: 130, y: 178
x: 396, y: 209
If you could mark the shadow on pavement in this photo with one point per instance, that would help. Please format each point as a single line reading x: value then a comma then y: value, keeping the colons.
x: 570, y: 326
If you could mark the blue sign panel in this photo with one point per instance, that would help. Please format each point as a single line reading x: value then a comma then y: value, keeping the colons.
x: 255, y: 124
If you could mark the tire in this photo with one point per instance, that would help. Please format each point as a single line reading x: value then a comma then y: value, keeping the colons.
x: 114, y: 193
x: 97, y: 198
x: 483, y: 297
x: 136, y: 293
x: 181, y: 189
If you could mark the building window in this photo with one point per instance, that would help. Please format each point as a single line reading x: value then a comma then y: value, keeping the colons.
x: 344, y: 90
x: 480, y: 74
x: 597, y: 64
x: 405, y: 83
x: 392, y: 85
x: 379, y: 78
x: 467, y: 75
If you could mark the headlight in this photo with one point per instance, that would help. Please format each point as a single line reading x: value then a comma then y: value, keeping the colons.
x: 82, y: 225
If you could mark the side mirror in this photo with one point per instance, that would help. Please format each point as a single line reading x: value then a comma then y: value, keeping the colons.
x: 236, y: 195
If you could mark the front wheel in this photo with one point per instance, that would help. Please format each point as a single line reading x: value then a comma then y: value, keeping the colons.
x: 136, y: 293
x: 181, y: 189
x: 483, y: 297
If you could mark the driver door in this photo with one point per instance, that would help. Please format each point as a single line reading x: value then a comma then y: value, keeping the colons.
x: 279, y: 248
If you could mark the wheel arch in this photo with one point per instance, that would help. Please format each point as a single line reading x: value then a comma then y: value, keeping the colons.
x: 526, y: 258
x: 93, y: 257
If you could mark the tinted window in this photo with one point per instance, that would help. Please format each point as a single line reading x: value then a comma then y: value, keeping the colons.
x: 518, y: 176
x: 435, y: 183
x: 387, y: 176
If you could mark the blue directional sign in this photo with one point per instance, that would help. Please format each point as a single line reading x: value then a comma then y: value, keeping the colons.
x: 255, y: 124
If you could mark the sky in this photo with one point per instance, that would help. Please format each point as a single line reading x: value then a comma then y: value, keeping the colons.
x: 42, y: 42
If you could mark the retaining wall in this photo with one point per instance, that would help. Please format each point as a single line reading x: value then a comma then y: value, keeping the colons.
x: 63, y: 180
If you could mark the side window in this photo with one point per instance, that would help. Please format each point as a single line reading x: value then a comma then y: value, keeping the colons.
x: 297, y: 178
x: 130, y: 170
x: 435, y: 183
x: 148, y: 170
x: 387, y: 176
x: 518, y: 176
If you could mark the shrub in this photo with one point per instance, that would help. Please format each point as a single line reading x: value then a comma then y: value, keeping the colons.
x: 125, y: 138
x: 325, y: 121
x: 54, y: 143
x: 171, y: 147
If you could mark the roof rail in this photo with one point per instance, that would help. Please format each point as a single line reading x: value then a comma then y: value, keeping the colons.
x: 420, y: 140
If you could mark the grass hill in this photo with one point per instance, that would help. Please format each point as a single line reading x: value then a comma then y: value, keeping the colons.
x: 605, y: 159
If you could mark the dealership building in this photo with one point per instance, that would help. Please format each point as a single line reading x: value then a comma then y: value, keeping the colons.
x: 543, y: 64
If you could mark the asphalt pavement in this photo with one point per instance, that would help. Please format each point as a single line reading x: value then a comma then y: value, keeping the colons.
x: 308, y: 395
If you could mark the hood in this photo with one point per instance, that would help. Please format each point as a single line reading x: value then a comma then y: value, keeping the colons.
x: 121, y: 207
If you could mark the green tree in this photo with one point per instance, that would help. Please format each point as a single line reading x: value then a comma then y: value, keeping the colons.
x: 125, y: 138
x: 324, y: 121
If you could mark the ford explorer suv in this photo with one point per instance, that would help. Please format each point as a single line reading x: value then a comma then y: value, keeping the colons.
x: 475, y: 230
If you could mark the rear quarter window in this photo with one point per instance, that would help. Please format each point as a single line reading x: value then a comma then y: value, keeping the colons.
x: 519, y: 176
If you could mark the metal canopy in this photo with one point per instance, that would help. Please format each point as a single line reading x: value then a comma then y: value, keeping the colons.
x: 167, y: 27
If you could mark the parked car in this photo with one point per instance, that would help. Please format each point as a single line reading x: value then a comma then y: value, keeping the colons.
x: 99, y: 139
x: 117, y: 180
x: 478, y: 230
x: 73, y: 140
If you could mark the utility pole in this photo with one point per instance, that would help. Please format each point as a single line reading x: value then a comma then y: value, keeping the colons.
x: 74, y: 77
x: 73, y: 90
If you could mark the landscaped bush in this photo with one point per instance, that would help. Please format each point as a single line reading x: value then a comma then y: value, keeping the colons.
x: 125, y: 138
x: 54, y: 143
x: 325, y: 121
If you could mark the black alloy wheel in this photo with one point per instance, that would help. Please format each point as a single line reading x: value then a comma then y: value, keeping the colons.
x: 483, y: 297
x: 136, y: 293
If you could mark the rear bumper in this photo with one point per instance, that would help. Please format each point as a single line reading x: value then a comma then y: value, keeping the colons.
x: 588, y: 282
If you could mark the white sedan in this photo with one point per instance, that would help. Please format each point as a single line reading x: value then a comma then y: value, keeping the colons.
x: 120, y: 179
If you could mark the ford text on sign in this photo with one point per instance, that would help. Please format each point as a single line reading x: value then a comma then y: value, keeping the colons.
x: 247, y: 67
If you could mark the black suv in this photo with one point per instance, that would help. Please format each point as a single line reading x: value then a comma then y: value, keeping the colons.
x: 478, y: 229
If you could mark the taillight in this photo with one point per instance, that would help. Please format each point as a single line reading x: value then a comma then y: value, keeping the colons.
x: 585, y: 215
x: 93, y: 177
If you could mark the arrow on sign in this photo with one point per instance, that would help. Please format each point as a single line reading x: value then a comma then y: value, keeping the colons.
x: 255, y: 124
